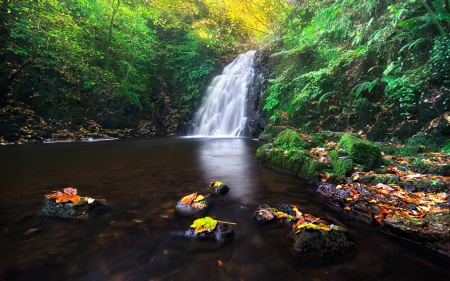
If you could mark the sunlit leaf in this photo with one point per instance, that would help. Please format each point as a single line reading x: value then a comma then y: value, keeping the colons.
x: 199, y: 198
x: 204, y: 224
x: 188, y: 199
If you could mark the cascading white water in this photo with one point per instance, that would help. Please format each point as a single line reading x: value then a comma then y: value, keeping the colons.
x: 222, y: 113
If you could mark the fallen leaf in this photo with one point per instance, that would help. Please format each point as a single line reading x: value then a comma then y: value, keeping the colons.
x: 199, y: 198
x: 69, y: 194
x: 347, y: 208
x: 188, y: 199
x: 204, y: 224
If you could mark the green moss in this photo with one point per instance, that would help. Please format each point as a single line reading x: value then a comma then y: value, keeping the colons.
x: 446, y: 148
x: 362, y: 152
x: 270, y: 132
x: 290, y: 161
x: 291, y: 139
x: 318, y: 140
x: 262, y: 151
x: 342, y: 168
x: 304, y: 170
x: 315, y: 168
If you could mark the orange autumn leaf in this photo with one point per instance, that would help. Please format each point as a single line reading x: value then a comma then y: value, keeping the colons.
x: 69, y: 194
x: 378, y: 217
x: 188, y: 199
x: 347, y: 208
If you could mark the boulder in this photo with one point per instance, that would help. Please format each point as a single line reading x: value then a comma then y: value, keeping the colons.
x: 320, y: 243
x: 313, y: 237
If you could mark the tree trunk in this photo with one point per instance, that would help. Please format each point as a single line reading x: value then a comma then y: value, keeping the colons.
x: 433, y: 18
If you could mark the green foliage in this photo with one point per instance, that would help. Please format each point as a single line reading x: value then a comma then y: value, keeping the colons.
x: 334, y: 54
x: 132, y: 58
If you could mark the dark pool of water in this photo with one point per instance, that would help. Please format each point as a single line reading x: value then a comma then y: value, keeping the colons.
x: 133, y: 236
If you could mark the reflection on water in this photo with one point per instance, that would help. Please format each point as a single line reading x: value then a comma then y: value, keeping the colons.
x: 132, y: 236
x: 219, y: 159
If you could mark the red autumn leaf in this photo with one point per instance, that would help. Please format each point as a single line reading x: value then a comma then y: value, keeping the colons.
x: 69, y: 194
x: 188, y: 199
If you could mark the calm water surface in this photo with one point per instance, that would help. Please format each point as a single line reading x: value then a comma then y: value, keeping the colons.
x: 133, y: 236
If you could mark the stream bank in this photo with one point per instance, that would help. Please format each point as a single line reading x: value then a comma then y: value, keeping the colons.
x: 403, y: 189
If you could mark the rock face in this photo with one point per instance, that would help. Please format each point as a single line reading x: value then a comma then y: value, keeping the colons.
x: 64, y: 210
x: 433, y: 230
x: 255, y: 123
x: 222, y: 232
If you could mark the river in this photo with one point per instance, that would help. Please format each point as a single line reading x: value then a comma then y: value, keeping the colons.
x: 133, y: 236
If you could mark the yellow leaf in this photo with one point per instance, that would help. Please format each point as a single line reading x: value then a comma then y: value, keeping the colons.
x: 199, y: 198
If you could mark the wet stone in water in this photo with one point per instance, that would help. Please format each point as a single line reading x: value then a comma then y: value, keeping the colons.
x: 221, y: 232
x: 219, y: 187
x: 192, y: 205
x: 312, y: 236
x: 65, y: 210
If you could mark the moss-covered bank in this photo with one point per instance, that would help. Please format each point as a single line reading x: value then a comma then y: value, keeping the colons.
x: 394, y: 186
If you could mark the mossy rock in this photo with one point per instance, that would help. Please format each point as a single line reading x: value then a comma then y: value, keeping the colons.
x: 66, y: 209
x: 291, y: 139
x: 263, y: 151
x: 270, y: 132
x: 362, y: 152
x: 312, y: 169
x: 342, y: 168
x: 313, y: 243
x: 289, y: 161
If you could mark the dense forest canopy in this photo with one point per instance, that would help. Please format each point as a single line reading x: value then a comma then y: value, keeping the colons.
x: 143, y: 65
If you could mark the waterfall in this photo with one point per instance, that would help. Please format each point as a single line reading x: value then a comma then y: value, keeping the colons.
x: 222, y: 113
